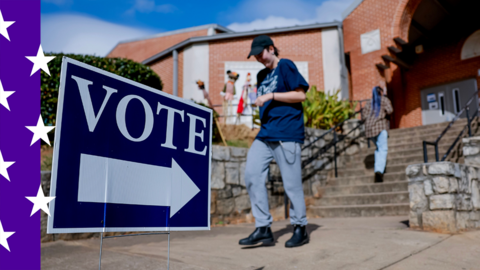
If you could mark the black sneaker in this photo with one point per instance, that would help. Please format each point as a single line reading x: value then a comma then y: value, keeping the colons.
x: 300, y: 237
x: 260, y: 235
x: 378, y: 177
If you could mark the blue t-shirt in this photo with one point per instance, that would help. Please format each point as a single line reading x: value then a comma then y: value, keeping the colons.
x: 281, y: 121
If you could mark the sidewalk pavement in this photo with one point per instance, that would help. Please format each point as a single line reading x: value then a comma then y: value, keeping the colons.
x: 336, y: 243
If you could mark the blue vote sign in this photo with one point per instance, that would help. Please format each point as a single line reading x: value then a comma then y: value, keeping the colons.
x: 127, y: 157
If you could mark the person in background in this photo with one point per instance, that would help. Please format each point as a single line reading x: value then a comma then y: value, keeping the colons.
x: 375, y: 114
x: 206, y: 97
x: 228, y: 93
x: 281, y: 90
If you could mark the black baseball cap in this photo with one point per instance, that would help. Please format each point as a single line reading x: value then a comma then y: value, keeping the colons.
x: 259, y: 43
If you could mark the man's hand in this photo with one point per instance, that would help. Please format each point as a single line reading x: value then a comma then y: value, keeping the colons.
x: 262, y: 99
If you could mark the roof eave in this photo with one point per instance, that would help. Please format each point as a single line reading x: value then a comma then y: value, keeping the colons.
x: 179, y: 31
x: 237, y: 35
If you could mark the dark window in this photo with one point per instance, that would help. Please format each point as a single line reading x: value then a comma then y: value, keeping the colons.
x: 457, y: 100
x: 442, y: 104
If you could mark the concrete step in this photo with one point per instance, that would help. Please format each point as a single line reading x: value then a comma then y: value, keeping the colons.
x: 398, y: 209
x: 412, y: 145
x: 354, y: 194
x: 451, y: 135
x: 445, y: 141
x: 357, y: 160
x: 396, y: 186
x: 396, y: 133
x: 419, y: 139
x: 403, y: 152
x: 369, y: 198
x: 359, y: 171
x: 441, y: 126
x: 369, y: 161
x: 367, y: 179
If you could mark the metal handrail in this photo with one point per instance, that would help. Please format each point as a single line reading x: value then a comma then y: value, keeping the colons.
x: 332, y: 129
x: 465, y: 109
x: 324, y: 149
x: 327, y: 147
x: 332, y: 143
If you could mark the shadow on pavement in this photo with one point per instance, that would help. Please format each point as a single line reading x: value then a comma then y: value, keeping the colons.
x: 406, y: 223
x: 289, y: 229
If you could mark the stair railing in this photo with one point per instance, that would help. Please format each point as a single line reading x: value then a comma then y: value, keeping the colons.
x: 337, y: 138
x: 468, y: 126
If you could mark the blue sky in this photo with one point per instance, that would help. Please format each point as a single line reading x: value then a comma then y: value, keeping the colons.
x: 96, y: 26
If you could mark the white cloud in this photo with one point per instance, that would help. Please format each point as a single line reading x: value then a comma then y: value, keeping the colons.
x: 331, y: 10
x: 254, y: 9
x: 72, y: 33
x: 148, y: 6
x: 287, y: 13
x: 269, y: 22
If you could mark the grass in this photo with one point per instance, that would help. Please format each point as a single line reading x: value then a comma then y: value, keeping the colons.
x: 46, y: 158
x: 238, y: 143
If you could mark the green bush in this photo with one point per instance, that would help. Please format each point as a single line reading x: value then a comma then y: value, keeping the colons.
x: 324, y: 111
x: 120, y: 66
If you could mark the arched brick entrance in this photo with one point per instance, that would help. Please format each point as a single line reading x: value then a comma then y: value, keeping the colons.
x: 403, y: 18
x: 406, y: 71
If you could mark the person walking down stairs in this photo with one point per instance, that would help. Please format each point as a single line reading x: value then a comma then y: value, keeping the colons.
x: 375, y: 114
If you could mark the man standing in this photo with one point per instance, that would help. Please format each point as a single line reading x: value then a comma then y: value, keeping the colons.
x: 281, y: 90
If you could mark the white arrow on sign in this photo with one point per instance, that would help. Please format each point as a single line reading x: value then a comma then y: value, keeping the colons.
x: 108, y: 180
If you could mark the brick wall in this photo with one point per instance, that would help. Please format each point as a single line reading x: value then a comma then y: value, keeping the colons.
x: 296, y: 46
x: 438, y: 65
x: 164, y: 68
x: 180, y: 73
x: 368, y: 16
x: 143, y: 49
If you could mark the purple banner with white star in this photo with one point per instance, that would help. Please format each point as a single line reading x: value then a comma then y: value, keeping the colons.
x: 19, y: 158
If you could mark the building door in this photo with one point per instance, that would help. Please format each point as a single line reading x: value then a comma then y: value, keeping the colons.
x: 441, y: 103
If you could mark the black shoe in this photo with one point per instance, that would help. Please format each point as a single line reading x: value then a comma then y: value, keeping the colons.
x: 300, y: 237
x: 378, y: 177
x: 260, y: 235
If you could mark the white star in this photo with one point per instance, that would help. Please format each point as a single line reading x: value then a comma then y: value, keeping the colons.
x: 4, y: 166
x: 40, y: 61
x: 3, y: 27
x: 40, y: 131
x: 4, y: 236
x: 4, y: 95
x: 40, y: 202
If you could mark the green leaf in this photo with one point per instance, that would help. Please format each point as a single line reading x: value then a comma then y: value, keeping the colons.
x: 324, y: 111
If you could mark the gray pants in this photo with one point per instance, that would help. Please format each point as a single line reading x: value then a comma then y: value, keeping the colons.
x: 288, y: 157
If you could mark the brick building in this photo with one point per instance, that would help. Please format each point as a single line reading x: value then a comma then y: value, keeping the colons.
x: 207, y: 52
x: 424, y: 51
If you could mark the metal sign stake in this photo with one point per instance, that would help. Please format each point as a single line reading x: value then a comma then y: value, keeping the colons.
x: 100, y: 259
x: 168, y: 252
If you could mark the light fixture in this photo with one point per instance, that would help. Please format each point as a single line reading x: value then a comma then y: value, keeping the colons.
x: 419, y: 49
